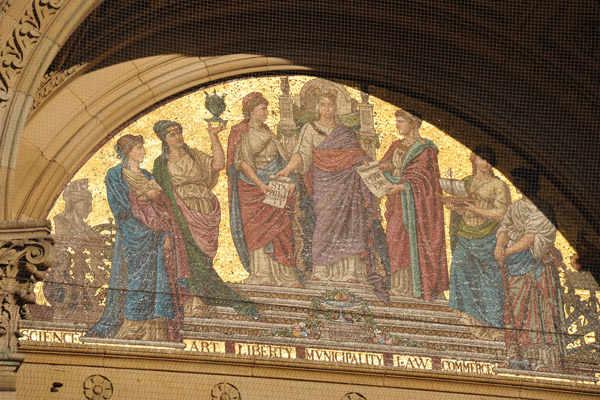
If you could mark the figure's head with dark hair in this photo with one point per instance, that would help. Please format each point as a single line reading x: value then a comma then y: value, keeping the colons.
x: 527, y: 180
x: 171, y: 135
x: 483, y: 159
x: 408, y: 122
x: 486, y: 153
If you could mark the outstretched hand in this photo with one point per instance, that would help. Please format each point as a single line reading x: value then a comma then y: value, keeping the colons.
x: 214, y: 130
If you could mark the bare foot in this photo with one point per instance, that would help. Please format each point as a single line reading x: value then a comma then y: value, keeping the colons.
x: 266, y: 283
x: 314, y: 278
x: 298, y: 286
x: 352, y: 281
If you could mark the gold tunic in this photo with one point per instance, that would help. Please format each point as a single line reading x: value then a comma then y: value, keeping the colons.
x: 491, y: 194
x: 257, y: 147
x: 193, y: 180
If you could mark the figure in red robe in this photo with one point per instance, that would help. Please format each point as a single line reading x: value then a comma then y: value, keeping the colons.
x: 414, y: 214
x: 261, y: 232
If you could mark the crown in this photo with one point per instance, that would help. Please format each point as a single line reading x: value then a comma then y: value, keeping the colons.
x: 328, y: 92
x: 172, y: 128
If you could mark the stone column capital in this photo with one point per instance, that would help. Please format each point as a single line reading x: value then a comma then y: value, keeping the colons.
x: 26, y: 252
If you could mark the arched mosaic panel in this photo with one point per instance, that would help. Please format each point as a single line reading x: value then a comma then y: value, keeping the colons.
x: 294, y: 217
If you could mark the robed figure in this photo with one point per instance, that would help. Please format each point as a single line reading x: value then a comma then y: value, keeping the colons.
x: 187, y: 177
x: 534, y: 311
x: 261, y: 232
x: 476, y: 286
x: 346, y: 219
x: 149, y: 274
x: 414, y: 214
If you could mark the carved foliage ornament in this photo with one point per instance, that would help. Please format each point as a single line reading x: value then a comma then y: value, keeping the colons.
x: 4, y: 5
x: 22, y: 264
x: 26, y: 33
x: 51, y: 82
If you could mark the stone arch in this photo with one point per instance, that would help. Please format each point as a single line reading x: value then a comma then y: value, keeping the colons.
x: 488, y: 79
x: 36, y: 30
x: 87, y: 109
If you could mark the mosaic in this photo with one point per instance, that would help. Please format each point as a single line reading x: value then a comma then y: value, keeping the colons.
x: 294, y: 217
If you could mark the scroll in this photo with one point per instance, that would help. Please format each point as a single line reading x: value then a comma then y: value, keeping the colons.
x: 374, y: 178
x: 454, y: 187
x: 279, y: 191
x: 457, y: 191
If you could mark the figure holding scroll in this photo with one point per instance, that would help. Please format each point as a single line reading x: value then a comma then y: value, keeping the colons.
x: 475, y: 278
x: 415, y: 215
x: 262, y: 232
x: 343, y: 241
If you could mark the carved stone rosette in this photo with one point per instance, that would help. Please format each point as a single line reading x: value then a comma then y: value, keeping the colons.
x: 26, y: 251
x: 353, y: 396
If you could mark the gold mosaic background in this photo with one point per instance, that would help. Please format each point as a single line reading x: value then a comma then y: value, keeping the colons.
x: 190, y: 112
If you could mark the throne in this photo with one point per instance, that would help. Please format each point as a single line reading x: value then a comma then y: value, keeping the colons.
x: 297, y: 111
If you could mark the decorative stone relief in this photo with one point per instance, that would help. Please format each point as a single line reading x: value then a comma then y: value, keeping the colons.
x: 4, y: 5
x: 25, y: 34
x: 97, y: 387
x: 225, y: 391
x: 26, y: 251
x: 51, y: 82
x: 353, y: 396
x: 80, y: 272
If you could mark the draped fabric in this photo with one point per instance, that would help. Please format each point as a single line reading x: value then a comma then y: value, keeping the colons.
x: 476, y: 285
x: 254, y: 224
x: 476, y: 280
x: 415, y: 220
x: 147, y: 281
x: 533, y: 311
x: 264, y: 224
x: 346, y: 219
x: 204, y: 280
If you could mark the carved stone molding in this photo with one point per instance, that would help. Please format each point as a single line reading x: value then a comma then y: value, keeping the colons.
x: 26, y: 251
x: 27, y: 32
x: 51, y: 82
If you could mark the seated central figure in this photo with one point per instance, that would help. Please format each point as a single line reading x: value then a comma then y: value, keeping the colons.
x: 327, y: 154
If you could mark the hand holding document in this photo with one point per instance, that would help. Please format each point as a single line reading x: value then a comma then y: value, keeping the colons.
x: 457, y: 191
x: 374, y: 178
x: 280, y: 188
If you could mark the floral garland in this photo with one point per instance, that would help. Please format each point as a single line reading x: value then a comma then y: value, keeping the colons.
x: 311, y: 326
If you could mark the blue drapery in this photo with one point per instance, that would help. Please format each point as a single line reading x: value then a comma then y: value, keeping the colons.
x: 139, y: 285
